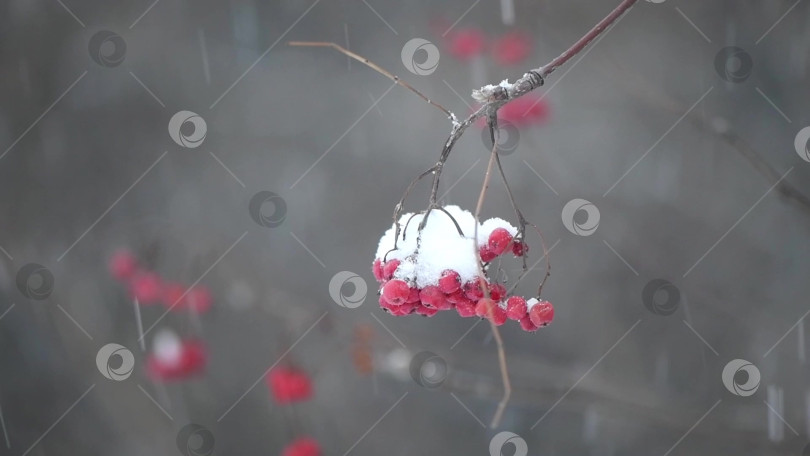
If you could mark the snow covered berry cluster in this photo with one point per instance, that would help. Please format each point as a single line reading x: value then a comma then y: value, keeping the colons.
x: 427, y: 266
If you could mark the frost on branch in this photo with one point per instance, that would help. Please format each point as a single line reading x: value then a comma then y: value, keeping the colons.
x: 486, y: 93
x: 432, y: 265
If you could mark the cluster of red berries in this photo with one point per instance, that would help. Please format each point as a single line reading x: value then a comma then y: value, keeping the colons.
x: 466, y: 43
x: 289, y: 385
x: 149, y: 288
x: 189, y: 361
x: 399, y: 297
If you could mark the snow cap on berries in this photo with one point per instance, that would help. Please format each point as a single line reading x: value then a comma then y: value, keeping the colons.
x: 442, y: 247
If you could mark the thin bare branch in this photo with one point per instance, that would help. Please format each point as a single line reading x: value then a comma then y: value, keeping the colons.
x: 507, y: 385
x: 376, y: 68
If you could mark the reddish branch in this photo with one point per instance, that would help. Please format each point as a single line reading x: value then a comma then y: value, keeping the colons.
x: 492, y: 97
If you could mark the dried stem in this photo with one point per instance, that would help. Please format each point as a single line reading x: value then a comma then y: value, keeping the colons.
x: 507, y: 385
x: 585, y: 40
x: 376, y: 68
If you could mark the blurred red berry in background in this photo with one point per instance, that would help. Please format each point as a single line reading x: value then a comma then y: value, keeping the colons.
x: 302, y: 446
x: 512, y: 48
x: 289, y: 385
x: 147, y: 288
x: 464, y: 44
x: 123, y: 265
x: 179, y: 361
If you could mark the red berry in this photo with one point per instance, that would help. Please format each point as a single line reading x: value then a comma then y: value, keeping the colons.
x: 499, y: 241
x: 467, y: 43
x: 377, y: 269
x: 541, y: 313
x: 123, y: 265
x: 512, y: 48
x: 173, y: 294
x: 465, y: 308
x: 498, y: 315
x: 426, y: 311
x: 497, y: 292
x: 527, y: 325
x: 525, y: 111
x: 396, y: 291
x: 199, y: 299
x: 289, y: 385
x: 516, y: 308
x: 449, y: 282
x: 473, y: 290
x: 302, y: 446
x: 432, y: 296
x: 389, y: 268
x: 519, y: 248
x: 413, y: 295
x: 404, y: 309
x: 487, y: 254
x: 147, y: 288
x: 192, y: 360
x: 456, y: 297
x: 385, y: 304
x: 484, y: 307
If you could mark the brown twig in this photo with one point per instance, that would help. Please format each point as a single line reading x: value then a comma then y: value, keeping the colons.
x: 375, y: 67
x: 507, y: 385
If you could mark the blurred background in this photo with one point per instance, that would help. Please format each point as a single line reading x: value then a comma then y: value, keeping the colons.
x: 191, y: 134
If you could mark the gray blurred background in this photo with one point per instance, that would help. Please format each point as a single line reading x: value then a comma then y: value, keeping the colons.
x: 697, y: 181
